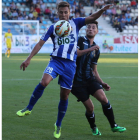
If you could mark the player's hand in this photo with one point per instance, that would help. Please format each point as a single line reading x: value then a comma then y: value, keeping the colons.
x: 96, y: 47
x: 24, y: 64
x: 106, y: 86
x: 107, y: 7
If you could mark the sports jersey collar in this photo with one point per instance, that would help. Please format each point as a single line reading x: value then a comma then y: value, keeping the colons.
x: 88, y: 40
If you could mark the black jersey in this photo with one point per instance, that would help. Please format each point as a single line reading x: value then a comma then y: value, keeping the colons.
x: 84, y: 62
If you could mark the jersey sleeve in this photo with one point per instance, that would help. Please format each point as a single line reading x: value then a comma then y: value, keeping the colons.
x: 80, y: 42
x: 48, y: 34
x: 80, y: 22
x: 96, y: 57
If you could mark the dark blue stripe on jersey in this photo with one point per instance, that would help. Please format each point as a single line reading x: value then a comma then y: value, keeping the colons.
x: 75, y: 56
x: 48, y: 33
x: 80, y: 22
x: 53, y: 37
x: 69, y: 50
x: 60, y: 50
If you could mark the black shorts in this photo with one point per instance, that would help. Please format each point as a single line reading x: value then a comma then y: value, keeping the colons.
x: 82, y: 92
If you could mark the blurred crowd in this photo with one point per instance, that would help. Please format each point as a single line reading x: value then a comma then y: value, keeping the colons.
x: 119, y: 14
x: 39, y: 11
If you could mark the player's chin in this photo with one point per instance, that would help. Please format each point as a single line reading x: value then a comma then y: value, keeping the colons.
x: 90, y: 35
x: 63, y: 18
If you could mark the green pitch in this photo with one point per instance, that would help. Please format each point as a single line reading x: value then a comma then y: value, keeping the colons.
x: 120, y: 71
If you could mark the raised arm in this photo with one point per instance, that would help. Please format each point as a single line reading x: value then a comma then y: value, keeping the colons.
x: 96, y: 15
x: 34, y: 52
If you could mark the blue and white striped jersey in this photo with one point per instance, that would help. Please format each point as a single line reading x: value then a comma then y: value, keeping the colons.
x: 65, y: 47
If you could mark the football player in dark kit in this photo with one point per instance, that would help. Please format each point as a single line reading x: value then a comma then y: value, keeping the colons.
x: 88, y: 82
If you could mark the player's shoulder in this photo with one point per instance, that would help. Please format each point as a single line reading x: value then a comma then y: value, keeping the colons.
x: 81, y: 38
x: 78, y: 20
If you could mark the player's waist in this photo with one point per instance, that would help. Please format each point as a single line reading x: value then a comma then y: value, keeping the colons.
x: 65, y: 57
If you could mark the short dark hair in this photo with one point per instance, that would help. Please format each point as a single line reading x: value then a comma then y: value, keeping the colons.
x: 94, y: 22
x: 63, y: 4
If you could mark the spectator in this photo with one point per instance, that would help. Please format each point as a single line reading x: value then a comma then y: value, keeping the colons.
x: 35, y: 14
x: 43, y: 7
x: 77, y: 15
x: 37, y: 9
x: 133, y: 4
x: 129, y: 8
x: 90, y: 12
x: 32, y: 9
x: 127, y: 14
x: 24, y: 15
x: 122, y: 26
x: 29, y: 3
x: 77, y: 10
x: 82, y: 12
x: 53, y: 12
x: 72, y: 15
x: 116, y: 25
x: 12, y: 5
x: 6, y: 9
x: 71, y: 2
x: 9, y: 15
x: 74, y: 6
x: 96, y: 4
x: 108, y: 11
x: 19, y: 12
x: 52, y: 16
x: 56, y: 18
x: 132, y: 22
x: 15, y: 14
x: 136, y: 20
x: 39, y: 18
x: 118, y: 11
x: 113, y: 11
x: 80, y: 5
x: 39, y: 2
x: 101, y: 3
x: 112, y: 20
x: 124, y: 9
x: 119, y: 19
x: 123, y: 19
x: 34, y: 2
x: 47, y: 12
x: 20, y: 17
x: 128, y: 20
x: 31, y: 15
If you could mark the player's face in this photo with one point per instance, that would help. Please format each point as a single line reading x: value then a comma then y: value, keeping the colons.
x: 9, y: 30
x: 63, y: 13
x: 91, y: 30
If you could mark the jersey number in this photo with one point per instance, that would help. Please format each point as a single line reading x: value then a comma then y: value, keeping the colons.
x: 49, y: 70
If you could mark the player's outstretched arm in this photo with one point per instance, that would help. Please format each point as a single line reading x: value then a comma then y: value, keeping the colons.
x: 96, y: 15
x: 82, y: 52
x: 34, y: 52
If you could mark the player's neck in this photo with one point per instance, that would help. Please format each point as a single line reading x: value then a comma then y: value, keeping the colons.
x: 91, y: 40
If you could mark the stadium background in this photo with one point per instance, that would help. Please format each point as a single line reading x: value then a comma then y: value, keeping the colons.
x: 118, y: 68
x: 118, y: 25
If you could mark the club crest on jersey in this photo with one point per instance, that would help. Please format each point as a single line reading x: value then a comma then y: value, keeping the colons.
x: 93, y: 53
